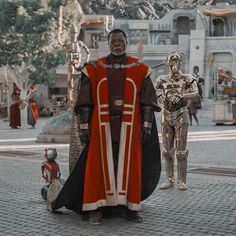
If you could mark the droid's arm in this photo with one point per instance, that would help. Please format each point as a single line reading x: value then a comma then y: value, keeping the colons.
x: 85, y: 47
x: 191, y: 89
x: 59, y: 39
x: 59, y: 172
x: 43, y: 170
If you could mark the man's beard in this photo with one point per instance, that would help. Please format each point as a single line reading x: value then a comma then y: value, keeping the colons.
x: 118, y: 53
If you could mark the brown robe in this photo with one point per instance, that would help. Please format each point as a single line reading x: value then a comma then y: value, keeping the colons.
x: 15, y: 116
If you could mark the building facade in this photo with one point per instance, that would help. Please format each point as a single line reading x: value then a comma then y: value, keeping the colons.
x: 205, y: 35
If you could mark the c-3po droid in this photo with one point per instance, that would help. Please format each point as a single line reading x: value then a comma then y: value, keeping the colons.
x: 50, y: 170
x: 173, y: 91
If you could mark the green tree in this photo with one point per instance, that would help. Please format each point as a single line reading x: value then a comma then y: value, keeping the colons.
x: 28, y: 44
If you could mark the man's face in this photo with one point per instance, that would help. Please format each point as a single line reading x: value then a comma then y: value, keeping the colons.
x: 117, y: 44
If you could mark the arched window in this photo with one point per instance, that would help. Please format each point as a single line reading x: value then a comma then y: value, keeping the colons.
x: 195, y: 70
x: 218, y: 26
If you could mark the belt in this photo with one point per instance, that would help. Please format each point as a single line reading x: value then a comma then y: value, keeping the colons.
x: 115, y: 118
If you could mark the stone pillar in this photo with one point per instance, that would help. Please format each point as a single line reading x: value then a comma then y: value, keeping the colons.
x: 197, y: 55
x: 234, y: 61
x: 24, y: 111
x: 184, y: 48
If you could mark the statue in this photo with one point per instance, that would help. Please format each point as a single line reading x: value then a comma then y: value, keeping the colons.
x: 74, y: 48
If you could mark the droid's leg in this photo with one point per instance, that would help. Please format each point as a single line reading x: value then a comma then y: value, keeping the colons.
x: 44, y: 192
x: 169, y: 167
x: 182, y: 168
x: 182, y: 154
x: 168, y: 154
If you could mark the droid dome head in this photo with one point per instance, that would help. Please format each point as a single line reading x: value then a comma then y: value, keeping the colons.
x: 50, y: 154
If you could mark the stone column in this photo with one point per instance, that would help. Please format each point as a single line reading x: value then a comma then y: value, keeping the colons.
x: 197, y: 55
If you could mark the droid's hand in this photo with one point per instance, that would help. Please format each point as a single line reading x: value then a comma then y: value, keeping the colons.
x: 176, y: 98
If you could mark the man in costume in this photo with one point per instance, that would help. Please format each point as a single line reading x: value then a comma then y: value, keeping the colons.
x: 173, y: 91
x: 192, y: 111
x: 115, y: 106
x: 15, y: 114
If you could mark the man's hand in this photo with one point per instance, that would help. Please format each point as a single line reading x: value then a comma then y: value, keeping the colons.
x: 83, y: 122
x: 84, y: 133
x: 147, y: 117
x: 145, y: 134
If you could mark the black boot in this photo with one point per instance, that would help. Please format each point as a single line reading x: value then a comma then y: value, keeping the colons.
x: 134, y: 216
x: 95, y: 217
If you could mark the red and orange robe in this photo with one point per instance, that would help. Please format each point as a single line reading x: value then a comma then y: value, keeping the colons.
x: 102, y: 184
x: 32, y: 109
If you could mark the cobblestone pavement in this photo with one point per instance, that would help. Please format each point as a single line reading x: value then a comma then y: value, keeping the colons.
x: 206, y: 208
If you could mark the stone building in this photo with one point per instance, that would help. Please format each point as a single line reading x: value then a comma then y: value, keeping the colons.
x: 206, y: 40
x: 205, y: 35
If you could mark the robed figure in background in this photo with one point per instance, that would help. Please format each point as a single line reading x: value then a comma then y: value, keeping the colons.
x: 33, y: 107
x: 15, y: 113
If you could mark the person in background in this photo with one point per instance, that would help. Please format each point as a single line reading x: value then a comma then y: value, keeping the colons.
x: 15, y: 116
x: 192, y: 111
x: 33, y: 107
x: 200, y: 82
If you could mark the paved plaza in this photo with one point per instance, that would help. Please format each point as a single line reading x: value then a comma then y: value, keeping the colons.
x: 207, y: 208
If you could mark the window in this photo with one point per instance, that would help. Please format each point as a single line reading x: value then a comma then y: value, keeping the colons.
x: 183, y: 25
x: 218, y: 27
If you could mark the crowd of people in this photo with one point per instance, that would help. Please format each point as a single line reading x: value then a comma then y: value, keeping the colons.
x: 18, y: 104
x: 34, y: 105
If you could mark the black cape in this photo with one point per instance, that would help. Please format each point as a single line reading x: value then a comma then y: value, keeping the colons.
x: 71, y: 195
